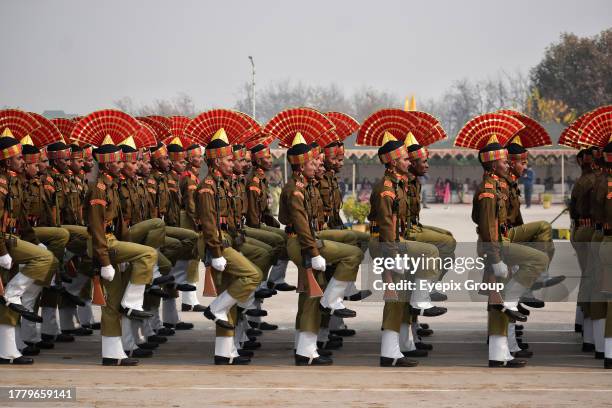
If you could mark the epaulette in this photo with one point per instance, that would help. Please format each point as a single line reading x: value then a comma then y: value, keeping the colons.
x: 388, y: 183
x: 486, y: 195
x: 388, y: 194
x: 255, y: 179
x: 101, y: 186
x: 299, y: 184
x: 489, y: 185
x: 209, y: 181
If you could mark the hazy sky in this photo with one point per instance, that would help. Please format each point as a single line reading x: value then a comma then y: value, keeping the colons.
x: 82, y: 55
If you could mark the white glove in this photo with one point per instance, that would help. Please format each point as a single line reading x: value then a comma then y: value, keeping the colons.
x: 318, y: 263
x: 43, y: 246
x: 107, y: 272
x: 219, y: 264
x: 500, y: 270
x: 6, y: 261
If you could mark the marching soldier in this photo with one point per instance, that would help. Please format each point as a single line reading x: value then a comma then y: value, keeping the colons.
x: 124, y: 286
x: 305, y: 248
x: 180, y: 243
x: 489, y: 213
x: 18, y: 242
x: 190, y: 179
x: 260, y: 224
x: 236, y: 277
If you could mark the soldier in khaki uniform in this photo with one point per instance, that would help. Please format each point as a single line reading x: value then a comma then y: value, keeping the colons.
x: 489, y: 213
x: 18, y: 242
x: 236, y: 276
x: 604, y: 201
x: 310, y: 253
x: 180, y: 243
x: 40, y: 205
x: 582, y: 234
x: 190, y: 178
x: 260, y: 224
x: 125, y: 267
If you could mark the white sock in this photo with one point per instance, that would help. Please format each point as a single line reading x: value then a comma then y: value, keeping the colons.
x: 112, y: 347
x: 587, y: 331
x: 405, y: 338
x: 8, y: 345
x: 334, y: 294
x: 389, y: 344
x: 599, y: 328
x: 169, y: 311
x: 49, y: 324
x: 307, y: 345
x: 498, y: 348
x: 133, y: 296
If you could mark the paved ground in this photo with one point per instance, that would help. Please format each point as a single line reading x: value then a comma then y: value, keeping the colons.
x: 455, y: 374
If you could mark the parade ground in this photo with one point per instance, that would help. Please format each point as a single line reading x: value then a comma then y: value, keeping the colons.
x: 181, y: 374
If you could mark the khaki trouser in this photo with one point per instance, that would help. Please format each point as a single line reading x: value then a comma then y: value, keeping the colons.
x: 532, y: 263
x: 151, y: 233
x: 580, y: 239
x: 260, y: 253
x: 345, y: 258
x: 38, y: 264
x: 141, y: 260
x: 605, y: 258
x: 597, y: 303
x: 394, y: 312
x: 538, y: 232
x: 439, y: 237
x: 276, y: 240
x: 180, y: 243
x: 243, y: 275
x: 55, y: 239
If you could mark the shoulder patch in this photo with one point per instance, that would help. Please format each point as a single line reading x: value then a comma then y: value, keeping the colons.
x: 486, y: 195
x: 609, y: 183
x: 50, y: 188
x: 3, y: 191
x: 2, y: 180
x: 210, y: 182
x: 151, y: 181
x: 255, y: 179
x: 206, y: 190
x: 101, y: 186
x: 299, y: 184
x: 609, y: 197
x: 50, y: 179
x: 489, y: 185
x: 298, y: 194
x: 191, y: 187
x: 151, y: 190
x: 97, y: 201
x: 170, y: 181
x: 254, y: 188
x: 388, y: 194
x: 388, y: 183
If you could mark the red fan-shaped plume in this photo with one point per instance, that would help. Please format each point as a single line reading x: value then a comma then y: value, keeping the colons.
x: 160, y: 127
x: 345, y: 125
x: 571, y: 135
x: 18, y: 123
x: 597, y: 129
x: 252, y: 132
x: 476, y: 133
x: 94, y: 127
x: 65, y: 127
x: 146, y: 136
x: 259, y: 138
x: 533, y: 134
x: 395, y: 121
x: 203, y: 127
x: 178, y: 124
x: 429, y: 130
x: 310, y: 123
x: 46, y: 133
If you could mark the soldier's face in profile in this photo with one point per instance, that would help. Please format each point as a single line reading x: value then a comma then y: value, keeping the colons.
x: 16, y: 164
x: 420, y: 167
x: 518, y: 167
x: 248, y: 165
x: 144, y: 169
x: 402, y: 163
x: 163, y: 163
x: 310, y: 169
x: 501, y: 167
x: 331, y: 162
x: 88, y: 164
x: 196, y: 161
x: 129, y: 169
x: 226, y: 165
x: 43, y: 165
x: 114, y: 168
x: 61, y: 164
x: 265, y: 162
x: 179, y: 165
x: 238, y: 165
x: 31, y: 170
x: 340, y: 159
x: 76, y: 165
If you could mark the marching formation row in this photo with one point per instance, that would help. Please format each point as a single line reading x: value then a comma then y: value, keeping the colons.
x: 134, y: 238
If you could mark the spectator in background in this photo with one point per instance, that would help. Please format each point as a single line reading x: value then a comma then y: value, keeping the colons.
x: 342, y: 187
x: 439, y: 190
x: 276, y: 176
x: 527, y: 180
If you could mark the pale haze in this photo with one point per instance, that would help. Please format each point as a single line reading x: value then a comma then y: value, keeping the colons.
x: 79, y: 56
